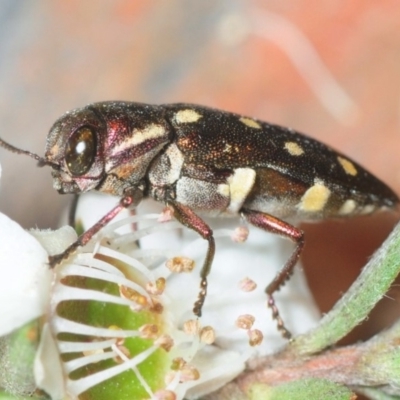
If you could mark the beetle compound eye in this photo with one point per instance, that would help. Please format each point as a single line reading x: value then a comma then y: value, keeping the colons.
x: 80, y: 151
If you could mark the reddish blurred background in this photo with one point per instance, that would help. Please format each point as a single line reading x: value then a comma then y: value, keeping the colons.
x: 328, y: 68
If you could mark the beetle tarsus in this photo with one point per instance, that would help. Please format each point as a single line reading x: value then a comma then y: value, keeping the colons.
x: 198, y: 305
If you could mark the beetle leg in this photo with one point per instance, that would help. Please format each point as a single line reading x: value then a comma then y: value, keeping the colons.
x: 72, y: 211
x: 125, y: 202
x: 279, y: 227
x: 188, y: 218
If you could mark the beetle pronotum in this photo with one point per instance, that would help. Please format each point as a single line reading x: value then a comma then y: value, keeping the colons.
x: 201, y: 160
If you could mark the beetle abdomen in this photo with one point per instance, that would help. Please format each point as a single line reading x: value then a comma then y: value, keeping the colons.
x: 287, y: 198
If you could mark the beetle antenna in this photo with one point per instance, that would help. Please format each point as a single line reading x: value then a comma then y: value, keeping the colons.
x: 41, y: 161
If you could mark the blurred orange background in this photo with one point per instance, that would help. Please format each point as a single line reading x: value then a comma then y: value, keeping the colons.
x: 328, y: 68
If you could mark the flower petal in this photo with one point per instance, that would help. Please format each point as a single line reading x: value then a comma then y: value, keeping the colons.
x: 48, y: 369
x: 217, y: 367
x: 25, y: 277
x: 55, y: 242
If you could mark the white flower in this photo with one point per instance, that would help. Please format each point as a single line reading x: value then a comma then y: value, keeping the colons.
x: 111, y: 279
x: 25, y: 277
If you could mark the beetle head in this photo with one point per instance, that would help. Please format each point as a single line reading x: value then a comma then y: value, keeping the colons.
x: 105, y: 146
x: 74, y: 151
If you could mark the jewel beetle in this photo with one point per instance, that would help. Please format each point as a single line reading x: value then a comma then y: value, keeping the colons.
x: 199, y: 160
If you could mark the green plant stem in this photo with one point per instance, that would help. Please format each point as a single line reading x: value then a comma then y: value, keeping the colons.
x: 355, y: 305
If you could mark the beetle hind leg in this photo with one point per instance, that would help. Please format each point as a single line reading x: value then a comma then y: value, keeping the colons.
x: 274, y: 225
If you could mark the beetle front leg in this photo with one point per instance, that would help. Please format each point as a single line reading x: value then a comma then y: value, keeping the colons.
x: 125, y: 202
x: 188, y: 218
x: 72, y: 211
x: 279, y: 227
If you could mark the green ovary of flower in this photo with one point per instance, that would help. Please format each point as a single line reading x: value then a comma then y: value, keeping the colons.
x: 104, y: 315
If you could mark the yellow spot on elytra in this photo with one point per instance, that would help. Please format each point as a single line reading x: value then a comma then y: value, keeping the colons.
x: 348, y: 166
x: 347, y: 207
x: 294, y: 149
x: 187, y: 116
x: 250, y: 122
x: 315, y: 198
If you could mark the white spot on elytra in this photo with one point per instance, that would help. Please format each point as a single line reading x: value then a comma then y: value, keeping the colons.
x: 223, y: 190
x: 152, y: 131
x: 251, y: 123
x: 315, y: 198
x: 294, y: 149
x: 187, y: 116
x: 368, y: 209
x: 347, y: 207
x: 240, y: 184
x: 176, y: 161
